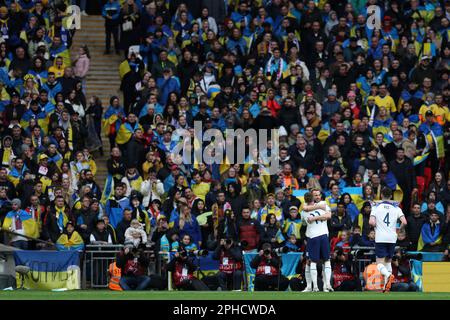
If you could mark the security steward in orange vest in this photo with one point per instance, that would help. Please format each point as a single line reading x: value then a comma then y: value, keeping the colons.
x: 230, y: 264
x: 182, y: 267
x: 114, y: 277
x: 268, y: 270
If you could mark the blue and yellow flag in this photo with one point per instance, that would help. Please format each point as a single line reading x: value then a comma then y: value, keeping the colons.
x: 126, y: 130
x: 435, y: 135
x: 356, y: 194
x: 279, y: 236
x: 419, y: 159
x: 416, y: 273
x: 72, y: 243
x: 107, y: 190
x: 289, y: 266
x: 30, y: 226
x: 292, y: 227
x: 324, y: 132
x: 49, y: 269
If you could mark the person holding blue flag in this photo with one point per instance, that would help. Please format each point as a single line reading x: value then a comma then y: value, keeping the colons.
x: 19, y: 222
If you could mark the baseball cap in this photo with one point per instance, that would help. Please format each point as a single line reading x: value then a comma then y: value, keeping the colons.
x: 293, y: 208
x: 425, y: 58
x: 43, y: 156
x: 429, y: 113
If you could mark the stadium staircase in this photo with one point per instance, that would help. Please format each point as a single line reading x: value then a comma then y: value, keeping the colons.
x: 103, y: 77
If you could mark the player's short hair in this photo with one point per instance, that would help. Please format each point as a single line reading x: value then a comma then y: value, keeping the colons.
x: 386, y: 192
x: 308, y: 197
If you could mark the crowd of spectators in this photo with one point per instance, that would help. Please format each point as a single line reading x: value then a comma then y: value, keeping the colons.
x: 355, y: 106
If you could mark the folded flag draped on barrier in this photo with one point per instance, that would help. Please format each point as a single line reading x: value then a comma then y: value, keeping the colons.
x: 49, y: 269
x: 288, y: 268
x: 416, y: 273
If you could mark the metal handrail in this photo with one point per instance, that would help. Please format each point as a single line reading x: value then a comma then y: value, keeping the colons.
x: 49, y: 243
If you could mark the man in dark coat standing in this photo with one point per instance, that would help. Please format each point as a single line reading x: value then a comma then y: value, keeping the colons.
x: 414, y: 226
x: 403, y: 170
x: 135, y: 150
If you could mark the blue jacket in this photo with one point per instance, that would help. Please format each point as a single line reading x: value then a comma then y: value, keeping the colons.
x: 166, y: 87
x: 52, y: 91
x: 192, y: 229
x: 115, y: 208
x: 113, y: 9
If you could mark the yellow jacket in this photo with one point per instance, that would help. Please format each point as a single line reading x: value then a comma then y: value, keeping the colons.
x: 386, y: 102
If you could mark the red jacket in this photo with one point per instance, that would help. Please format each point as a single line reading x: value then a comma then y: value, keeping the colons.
x: 230, y: 264
x: 248, y: 231
x: 181, y: 273
x: 274, y: 107
x: 341, y: 274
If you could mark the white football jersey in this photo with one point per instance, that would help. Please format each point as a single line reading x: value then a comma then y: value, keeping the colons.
x: 386, y: 214
x: 316, y: 228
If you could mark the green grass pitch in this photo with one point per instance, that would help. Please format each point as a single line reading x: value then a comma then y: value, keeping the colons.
x: 245, y: 296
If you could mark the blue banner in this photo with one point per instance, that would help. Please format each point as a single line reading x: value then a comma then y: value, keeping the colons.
x: 49, y: 269
x: 289, y: 265
x: 429, y: 256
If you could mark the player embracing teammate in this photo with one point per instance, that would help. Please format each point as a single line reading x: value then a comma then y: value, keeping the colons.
x: 316, y: 213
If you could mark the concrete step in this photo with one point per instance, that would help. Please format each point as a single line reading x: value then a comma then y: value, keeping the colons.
x: 103, y: 78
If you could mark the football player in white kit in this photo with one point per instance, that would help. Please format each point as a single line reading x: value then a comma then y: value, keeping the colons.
x: 316, y: 213
x: 384, y: 218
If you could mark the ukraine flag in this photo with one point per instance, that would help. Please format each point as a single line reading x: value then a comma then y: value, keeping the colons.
x: 49, y: 269
x: 356, y: 194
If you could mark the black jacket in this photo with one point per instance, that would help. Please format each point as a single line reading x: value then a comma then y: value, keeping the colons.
x: 306, y: 161
x: 336, y: 224
x: 50, y: 230
x: 234, y: 251
x: 404, y: 172
x: 275, y: 262
x: 270, y: 232
x: 414, y: 227
x: 135, y: 153
x: 121, y: 227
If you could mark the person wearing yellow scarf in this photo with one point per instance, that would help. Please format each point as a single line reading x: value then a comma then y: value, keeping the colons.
x: 6, y: 152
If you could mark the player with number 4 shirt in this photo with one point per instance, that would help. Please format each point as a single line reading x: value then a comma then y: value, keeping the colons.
x: 384, y: 218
